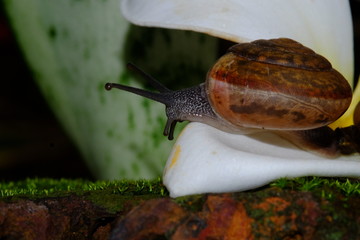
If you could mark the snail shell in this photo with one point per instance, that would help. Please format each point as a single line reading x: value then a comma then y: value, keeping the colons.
x: 276, y: 84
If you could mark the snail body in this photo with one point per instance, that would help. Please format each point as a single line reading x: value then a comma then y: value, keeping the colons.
x: 275, y: 84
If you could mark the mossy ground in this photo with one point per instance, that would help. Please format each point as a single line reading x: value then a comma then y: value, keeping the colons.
x: 348, y: 187
x: 287, y: 207
x: 42, y: 187
x: 334, y: 198
x: 35, y: 188
x: 108, y: 194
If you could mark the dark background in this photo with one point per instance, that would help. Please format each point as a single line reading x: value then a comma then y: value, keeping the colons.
x: 32, y: 142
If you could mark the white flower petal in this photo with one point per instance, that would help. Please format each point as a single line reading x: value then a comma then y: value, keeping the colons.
x: 206, y: 160
x: 323, y: 25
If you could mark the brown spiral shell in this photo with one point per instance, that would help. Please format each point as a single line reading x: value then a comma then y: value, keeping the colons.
x: 276, y: 84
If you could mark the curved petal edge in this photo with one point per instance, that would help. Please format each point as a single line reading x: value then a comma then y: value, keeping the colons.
x: 206, y: 160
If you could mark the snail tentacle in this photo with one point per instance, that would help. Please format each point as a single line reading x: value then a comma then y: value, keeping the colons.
x: 158, y: 97
x: 169, y: 128
x: 156, y: 84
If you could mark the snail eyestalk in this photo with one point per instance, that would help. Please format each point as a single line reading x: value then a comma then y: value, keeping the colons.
x: 156, y: 84
x: 158, y: 97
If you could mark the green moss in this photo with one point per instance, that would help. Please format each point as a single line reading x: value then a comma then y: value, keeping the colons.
x: 37, y: 188
x: 45, y: 187
x: 349, y: 187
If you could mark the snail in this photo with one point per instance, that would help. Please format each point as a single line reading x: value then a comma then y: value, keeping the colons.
x: 275, y: 85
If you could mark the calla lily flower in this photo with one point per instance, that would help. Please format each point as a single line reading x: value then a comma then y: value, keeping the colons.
x: 205, y: 159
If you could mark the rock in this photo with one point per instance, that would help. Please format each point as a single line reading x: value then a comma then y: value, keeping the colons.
x: 23, y: 220
x: 151, y: 220
x: 55, y: 218
x: 277, y: 215
x: 269, y: 213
